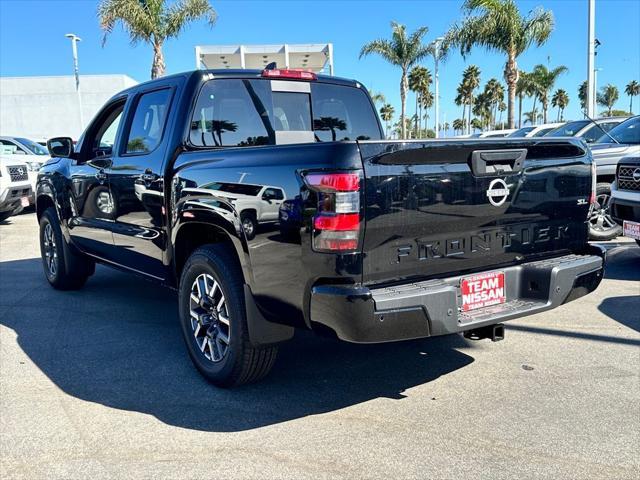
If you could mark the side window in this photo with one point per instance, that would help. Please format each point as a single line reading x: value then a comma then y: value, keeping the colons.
x: 273, y: 194
x: 593, y: 134
x: 102, y: 135
x: 148, y: 122
x: 342, y: 113
x: 230, y: 113
x: 10, y: 148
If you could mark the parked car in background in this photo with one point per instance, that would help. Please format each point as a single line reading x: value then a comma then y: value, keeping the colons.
x: 496, y: 133
x: 625, y: 197
x: 534, y: 130
x: 15, y: 188
x: 622, y: 141
x: 589, y: 131
x: 29, y: 151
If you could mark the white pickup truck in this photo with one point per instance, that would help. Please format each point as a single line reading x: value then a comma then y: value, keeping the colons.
x: 15, y: 187
x: 257, y: 204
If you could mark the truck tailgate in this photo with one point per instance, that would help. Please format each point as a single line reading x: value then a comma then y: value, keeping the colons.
x: 435, y: 208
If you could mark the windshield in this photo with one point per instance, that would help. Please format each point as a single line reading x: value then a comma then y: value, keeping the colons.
x: 542, y: 132
x: 521, y: 132
x: 569, y: 129
x: 33, y: 147
x: 627, y: 132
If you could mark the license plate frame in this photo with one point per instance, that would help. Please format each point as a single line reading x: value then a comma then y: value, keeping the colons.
x: 483, y: 290
x: 631, y: 229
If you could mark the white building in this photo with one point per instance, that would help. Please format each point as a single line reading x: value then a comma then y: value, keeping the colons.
x: 45, y: 107
x: 317, y: 57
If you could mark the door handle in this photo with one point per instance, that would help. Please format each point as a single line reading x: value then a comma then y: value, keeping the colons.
x: 101, y: 176
x: 497, y: 162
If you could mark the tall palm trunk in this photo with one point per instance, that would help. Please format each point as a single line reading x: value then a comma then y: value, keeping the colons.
x: 630, y: 104
x: 158, y: 66
x: 511, y: 77
x: 469, y: 113
x: 520, y: 111
x: 403, y: 99
x: 545, y: 107
x: 464, y: 115
x: 535, y: 116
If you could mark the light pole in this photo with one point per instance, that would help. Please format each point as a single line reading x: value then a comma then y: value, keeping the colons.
x: 74, y: 48
x: 595, y: 92
x: 436, y: 58
x: 591, y: 60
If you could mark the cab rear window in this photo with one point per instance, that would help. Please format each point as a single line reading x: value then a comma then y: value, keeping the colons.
x: 237, y: 112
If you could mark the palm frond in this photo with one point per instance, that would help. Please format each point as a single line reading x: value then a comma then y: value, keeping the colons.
x: 181, y: 13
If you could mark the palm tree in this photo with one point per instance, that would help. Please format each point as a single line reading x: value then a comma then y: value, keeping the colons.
x: 377, y: 97
x: 495, y: 94
x: 524, y: 87
x: 419, y: 82
x: 459, y: 125
x: 152, y: 22
x: 607, y: 97
x: 582, y: 95
x: 501, y: 108
x: 386, y: 113
x: 544, y: 80
x: 426, y: 101
x: 532, y: 117
x: 560, y: 99
x: 499, y: 26
x: 632, y: 89
x: 402, y: 51
x: 470, y: 81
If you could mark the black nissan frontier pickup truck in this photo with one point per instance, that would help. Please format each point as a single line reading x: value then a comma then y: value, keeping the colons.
x: 270, y: 201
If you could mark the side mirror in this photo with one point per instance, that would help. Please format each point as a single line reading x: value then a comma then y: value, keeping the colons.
x: 60, y: 147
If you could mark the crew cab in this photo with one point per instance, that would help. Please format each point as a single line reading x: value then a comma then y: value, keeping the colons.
x: 385, y: 240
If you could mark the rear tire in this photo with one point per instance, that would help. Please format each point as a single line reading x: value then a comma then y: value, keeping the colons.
x: 64, y: 268
x: 213, y: 319
x: 602, y: 226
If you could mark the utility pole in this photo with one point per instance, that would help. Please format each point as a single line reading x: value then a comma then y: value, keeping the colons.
x: 74, y: 49
x: 591, y: 57
x: 436, y: 58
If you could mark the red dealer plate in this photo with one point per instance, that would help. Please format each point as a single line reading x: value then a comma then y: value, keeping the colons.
x: 482, y: 290
x: 24, y: 201
x: 631, y: 229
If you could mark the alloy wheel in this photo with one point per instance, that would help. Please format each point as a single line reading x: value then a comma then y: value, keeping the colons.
x: 105, y: 202
x: 209, y: 317
x: 247, y: 225
x: 50, y: 250
x: 600, y: 219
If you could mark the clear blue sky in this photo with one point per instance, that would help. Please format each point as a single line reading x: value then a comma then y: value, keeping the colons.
x: 32, y: 40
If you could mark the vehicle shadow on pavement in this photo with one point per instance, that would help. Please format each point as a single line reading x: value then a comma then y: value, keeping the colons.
x: 623, y: 309
x: 117, y: 343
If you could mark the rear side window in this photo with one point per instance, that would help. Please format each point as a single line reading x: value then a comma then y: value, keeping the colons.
x: 231, y: 113
x: 148, y: 122
x: 342, y: 113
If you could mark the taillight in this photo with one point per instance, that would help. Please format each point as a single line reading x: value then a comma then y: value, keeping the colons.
x: 336, y: 226
x: 289, y: 73
x: 594, y: 182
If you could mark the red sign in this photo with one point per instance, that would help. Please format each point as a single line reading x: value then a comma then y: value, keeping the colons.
x: 631, y: 229
x: 482, y: 290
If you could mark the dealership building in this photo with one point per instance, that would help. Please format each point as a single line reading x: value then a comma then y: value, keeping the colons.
x: 45, y: 107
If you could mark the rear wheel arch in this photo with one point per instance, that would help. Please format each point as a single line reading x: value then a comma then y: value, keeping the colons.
x: 194, y: 235
x: 43, y: 202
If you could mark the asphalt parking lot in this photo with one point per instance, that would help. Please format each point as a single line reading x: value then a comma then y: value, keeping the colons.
x: 97, y: 384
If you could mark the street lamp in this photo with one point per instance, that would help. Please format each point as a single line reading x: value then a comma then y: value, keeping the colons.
x: 594, y: 96
x: 74, y: 49
x: 436, y: 58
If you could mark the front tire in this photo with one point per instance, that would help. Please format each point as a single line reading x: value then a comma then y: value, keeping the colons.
x: 249, y: 225
x: 64, y: 268
x: 213, y: 320
x: 602, y: 226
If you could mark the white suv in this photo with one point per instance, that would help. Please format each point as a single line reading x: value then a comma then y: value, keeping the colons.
x: 15, y: 187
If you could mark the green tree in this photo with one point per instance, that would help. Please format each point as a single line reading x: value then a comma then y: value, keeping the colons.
x: 560, y: 100
x: 498, y: 25
x: 377, y: 97
x: 632, y: 89
x: 152, y: 22
x: 419, y: 83
x: 524, y: 87
x: 386, y: 113
x: 544, y: 80
x: 607, y: 97
x: 470, y: 82
x: 459, y: 125
x: 582, y: 95
x: 403, y: 51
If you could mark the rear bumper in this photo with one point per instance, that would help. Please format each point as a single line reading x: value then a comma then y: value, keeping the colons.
x: 431, y: 308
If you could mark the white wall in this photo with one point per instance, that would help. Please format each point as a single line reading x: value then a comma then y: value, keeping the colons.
x: 45, y: 107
